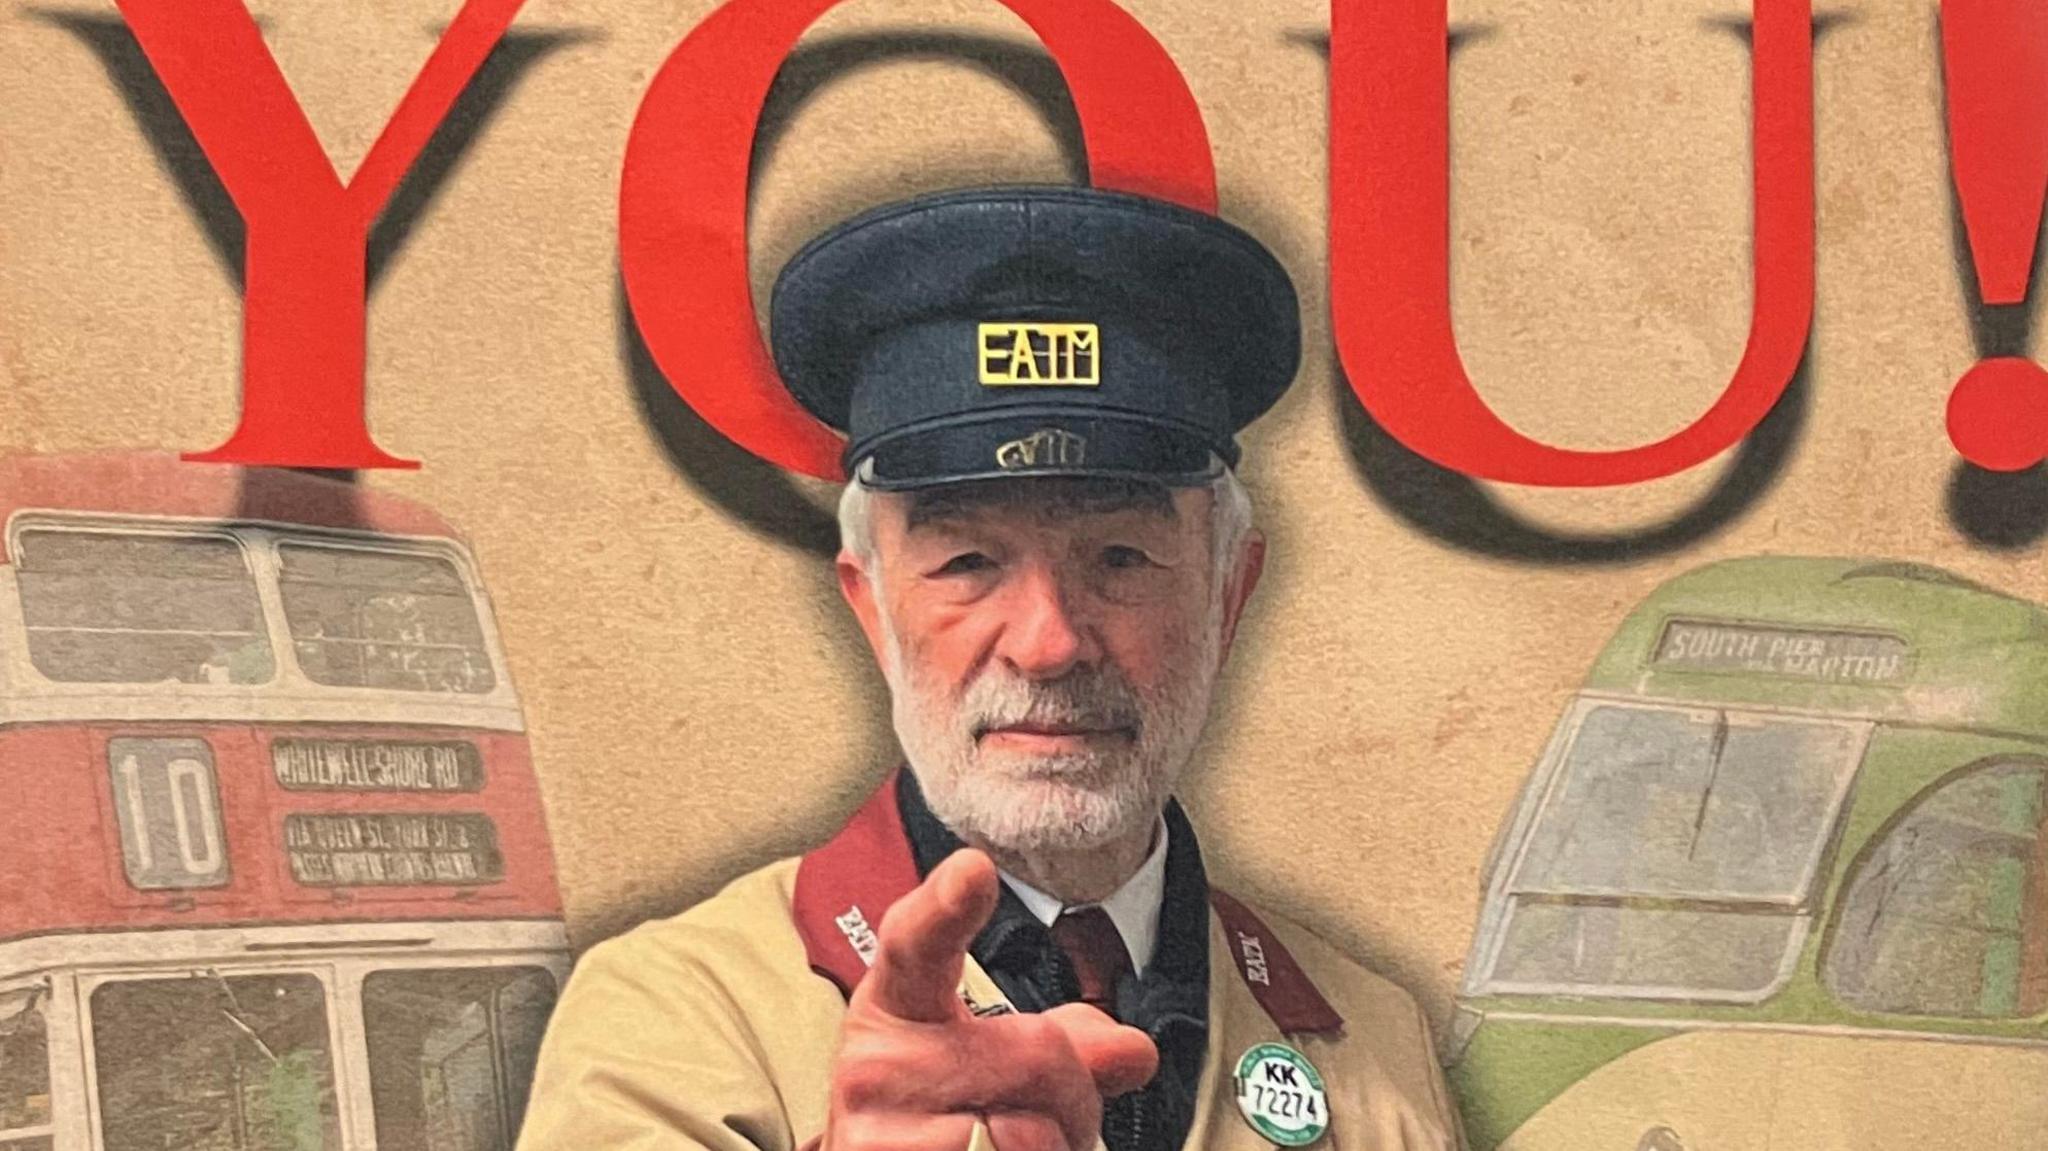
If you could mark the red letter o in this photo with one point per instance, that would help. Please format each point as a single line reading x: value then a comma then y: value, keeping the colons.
x: 683, y: 195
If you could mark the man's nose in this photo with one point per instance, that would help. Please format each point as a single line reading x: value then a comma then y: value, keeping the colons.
x: 1045, y: 638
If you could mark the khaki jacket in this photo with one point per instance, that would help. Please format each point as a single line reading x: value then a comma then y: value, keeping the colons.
x: 715, y: 1028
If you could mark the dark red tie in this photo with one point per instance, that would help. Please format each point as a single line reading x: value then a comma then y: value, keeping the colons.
x: 1095, y: 950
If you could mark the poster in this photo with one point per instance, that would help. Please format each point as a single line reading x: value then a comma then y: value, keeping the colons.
x: 307, y: 868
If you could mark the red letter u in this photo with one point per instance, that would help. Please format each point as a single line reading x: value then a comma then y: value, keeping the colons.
x: 1390, y: 297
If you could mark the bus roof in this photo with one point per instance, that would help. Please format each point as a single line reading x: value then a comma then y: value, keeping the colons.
x: 1882, y: 639
x: 161, y: 484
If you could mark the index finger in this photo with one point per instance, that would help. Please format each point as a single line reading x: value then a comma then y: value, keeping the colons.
x: 921, y: 946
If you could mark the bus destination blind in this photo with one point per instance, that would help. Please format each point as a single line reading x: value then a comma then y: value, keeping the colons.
x: 392, y: 849
x: 1824, y: 656
x: 375, y: 765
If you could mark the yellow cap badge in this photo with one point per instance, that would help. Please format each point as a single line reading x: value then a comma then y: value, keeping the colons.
x: 1042, y: 355
x: 1044, y: 448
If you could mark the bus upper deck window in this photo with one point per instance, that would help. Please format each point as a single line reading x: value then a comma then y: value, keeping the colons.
x: 1948, y: 912
x: 383, y: 619
x: 212, y: 1063
x: 24, y: 1072
x: 1672, y: 851
x: 105, y: 607
x: 452, y: 1052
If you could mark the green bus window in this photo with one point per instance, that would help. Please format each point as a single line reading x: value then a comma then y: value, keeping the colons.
x: 1946, y: 914
x: 103, y: 607
x: 1672, y: 851
x: 390, y: 620
x: 206, y: 1063
x: 1602, y: 946
x: 24, y: 1071
x: 1672, y: 803
x: 452, y: 1053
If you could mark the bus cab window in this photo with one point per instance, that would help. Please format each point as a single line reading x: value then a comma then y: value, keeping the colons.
x: 212, y: 1063
x: 452, y: 1053
x: 24, y: 1072
x: 102, y: 607
x: 1672, y: 851
x: 388, y: 620
x: 1946, y: 914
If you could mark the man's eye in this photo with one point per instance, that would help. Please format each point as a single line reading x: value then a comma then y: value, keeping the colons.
x: 1123, y: 556
x: 964, y: 563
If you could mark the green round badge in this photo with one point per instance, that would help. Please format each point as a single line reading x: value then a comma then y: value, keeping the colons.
x: 1281, y: 1095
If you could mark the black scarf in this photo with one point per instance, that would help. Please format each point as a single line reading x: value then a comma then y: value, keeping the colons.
x: 1169, y: 1001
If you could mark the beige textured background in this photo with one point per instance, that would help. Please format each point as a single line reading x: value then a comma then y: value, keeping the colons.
x: 697, y: 697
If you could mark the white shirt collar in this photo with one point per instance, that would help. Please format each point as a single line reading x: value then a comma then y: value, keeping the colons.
x: 1134, y: 907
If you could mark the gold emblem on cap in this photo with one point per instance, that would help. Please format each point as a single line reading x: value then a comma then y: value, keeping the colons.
x: 1041, y: 355
x: 1044, y: 448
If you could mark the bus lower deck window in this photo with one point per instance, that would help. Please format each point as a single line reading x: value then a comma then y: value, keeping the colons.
x: 24, y: 1071
x: 212, y: 1063
x: 451, y: 1054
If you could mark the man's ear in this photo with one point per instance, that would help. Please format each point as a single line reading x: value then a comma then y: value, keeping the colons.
x: 1242, y: 581
x: 858, y: 588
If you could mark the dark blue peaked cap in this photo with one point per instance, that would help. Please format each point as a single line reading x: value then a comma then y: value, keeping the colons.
x: 1035, y: 331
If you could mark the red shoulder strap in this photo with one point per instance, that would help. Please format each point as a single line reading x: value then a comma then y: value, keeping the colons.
x: 1275, y: 979
x: 843, y: 888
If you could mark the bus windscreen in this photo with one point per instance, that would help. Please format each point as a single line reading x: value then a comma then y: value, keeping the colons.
x: 1672, y: 851
x: 212, y: 1063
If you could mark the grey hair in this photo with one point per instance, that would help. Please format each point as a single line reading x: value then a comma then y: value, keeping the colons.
x: 1230, y: 522
x: 857, y: 518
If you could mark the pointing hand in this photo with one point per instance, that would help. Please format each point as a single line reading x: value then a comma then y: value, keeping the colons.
x: 915, y: 1070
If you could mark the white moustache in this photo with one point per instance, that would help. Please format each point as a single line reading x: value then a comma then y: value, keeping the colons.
x: 1092, y: 700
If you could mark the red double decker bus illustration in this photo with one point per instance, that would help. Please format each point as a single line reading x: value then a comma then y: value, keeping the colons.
x: 274, y: 873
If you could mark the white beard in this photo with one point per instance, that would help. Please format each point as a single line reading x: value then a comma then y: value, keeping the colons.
x: 1023, y: 803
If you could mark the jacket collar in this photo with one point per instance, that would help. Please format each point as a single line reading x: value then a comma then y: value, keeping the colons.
x: 844, y: 887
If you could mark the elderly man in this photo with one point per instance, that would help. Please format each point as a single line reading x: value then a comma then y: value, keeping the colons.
x: 1013, y: 943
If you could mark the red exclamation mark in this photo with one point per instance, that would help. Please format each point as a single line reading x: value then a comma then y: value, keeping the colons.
x: 1995, y: 56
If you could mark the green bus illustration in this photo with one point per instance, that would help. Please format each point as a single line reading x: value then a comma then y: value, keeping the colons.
x: 1779, y: 879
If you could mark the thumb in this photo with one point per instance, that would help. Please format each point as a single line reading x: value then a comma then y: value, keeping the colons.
x: 1120, y: 1058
